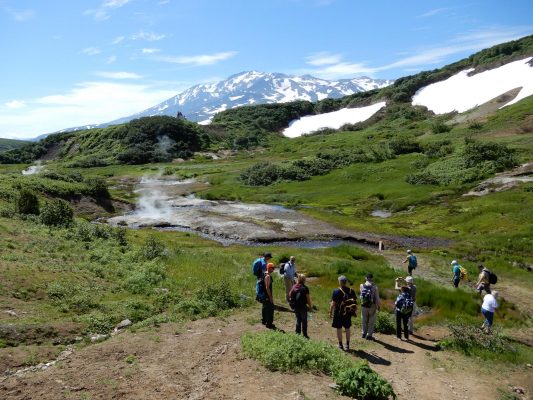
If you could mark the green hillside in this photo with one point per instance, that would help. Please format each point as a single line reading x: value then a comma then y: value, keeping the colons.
x: 10, y: 144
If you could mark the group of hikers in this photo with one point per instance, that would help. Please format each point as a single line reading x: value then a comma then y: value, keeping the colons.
x: 343, y: 305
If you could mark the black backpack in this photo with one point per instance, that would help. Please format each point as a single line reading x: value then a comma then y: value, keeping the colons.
x: 298, y: 300
x: 493, y: 279
x: 348, y: 304
x: 407, y: 305
x: 366, y: 296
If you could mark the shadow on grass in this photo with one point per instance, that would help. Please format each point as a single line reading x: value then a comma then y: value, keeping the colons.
x: 371, y: 358
x: 390, y: 347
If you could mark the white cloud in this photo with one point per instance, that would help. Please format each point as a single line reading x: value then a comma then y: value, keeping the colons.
x: 433, y: 12
x: 101, y: 14
x: 14, y: 104
x: 150, y: 51
x: 118, y: 75
x: 91, y: 51
x: 114, y: 3
x: 86, y: 103
x: 118, y: 39
x: 331, y: 66
x: 198, y: 60
x: 21, y: 15
x: 149, y: 36
x: 111, y: 60
x: 320, y: 59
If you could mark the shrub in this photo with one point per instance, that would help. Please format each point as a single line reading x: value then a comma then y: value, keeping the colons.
x: 27, y: 203
x: 289, y: 352
x: 363, y: 383
x: 144, y: 278
x: 262, y: 174
x: 152, y: 249
x: 384, y: 323
x: 440, y: 127
x: 209, y: 301
x: 404, y: 145
x: 440, y: 148
x: 471, y: 340
x: 500, y: 156
x: 57, y: 213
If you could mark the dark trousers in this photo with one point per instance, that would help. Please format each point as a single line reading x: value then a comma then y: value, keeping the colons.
x: 456, y: 280
x: 402, y: 319
x: 267, y: 313
x: 301, y: 322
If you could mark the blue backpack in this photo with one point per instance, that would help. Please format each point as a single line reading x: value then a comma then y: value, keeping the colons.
x: 412, y: 261
x: 366, y: 296
x: 406, y: 305
x: 260, y: 291
x: 257, y: 268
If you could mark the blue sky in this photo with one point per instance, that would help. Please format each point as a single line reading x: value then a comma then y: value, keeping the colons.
x: 68, y: 63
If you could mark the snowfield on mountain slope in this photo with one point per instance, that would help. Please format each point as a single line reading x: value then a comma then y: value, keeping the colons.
x: 462, y: 92
x: 333, y: 120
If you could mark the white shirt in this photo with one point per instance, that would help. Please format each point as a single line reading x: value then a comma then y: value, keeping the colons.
x: 489, y: 303
x: 290, y: 270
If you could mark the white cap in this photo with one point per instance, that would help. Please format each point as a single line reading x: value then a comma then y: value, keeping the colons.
x: 409, y: 279
x: 409, y: 251
x: 454, y: 262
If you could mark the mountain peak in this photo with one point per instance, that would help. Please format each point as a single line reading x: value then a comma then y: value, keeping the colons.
x: 201, y: 102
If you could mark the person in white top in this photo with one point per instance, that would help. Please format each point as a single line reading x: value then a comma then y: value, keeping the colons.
x: 490, y: 304
x: 289, y: 276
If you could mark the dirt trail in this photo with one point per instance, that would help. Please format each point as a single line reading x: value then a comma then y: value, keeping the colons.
x: 202, y: 360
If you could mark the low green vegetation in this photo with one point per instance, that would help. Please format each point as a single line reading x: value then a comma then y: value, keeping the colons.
x: 289, y: 352
x: 468, y: 338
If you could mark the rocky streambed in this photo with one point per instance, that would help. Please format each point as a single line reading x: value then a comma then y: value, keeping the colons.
x: 165, y: 204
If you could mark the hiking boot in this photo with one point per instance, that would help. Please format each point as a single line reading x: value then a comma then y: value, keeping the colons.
x: 270, y: 326
x: 370, y: 338
x: 363, y: 336
x: 340, y: 347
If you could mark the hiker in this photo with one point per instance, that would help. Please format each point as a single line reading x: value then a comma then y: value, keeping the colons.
x: 343, y: 306
x: 370, y: 304
x: 404, y: 309
x: 289, y: 273
x: 456, y: 269
x: 267, y: 312
x: 300, y: 301
x: 411, y: 262
x: 483, y: 280
x: 412, y: 292
x: 259, y: 266
x: 490, y: 304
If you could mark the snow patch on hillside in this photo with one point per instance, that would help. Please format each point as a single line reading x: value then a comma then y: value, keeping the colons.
x: 462, y: 92
x: 333, y: 120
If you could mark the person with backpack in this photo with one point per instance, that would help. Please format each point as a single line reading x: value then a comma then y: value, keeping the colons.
x: 370, y: 305
x: 404, y: 309
x: 484, y: 279
x: 456, y: 269
x: 266, y: 298
x: 343, y: 306
x: 289, y: 273
x: 490, y: 304
x: 412, y: 292
x: 300, y: 301
x: 259, y: 266
x: 411, y: 261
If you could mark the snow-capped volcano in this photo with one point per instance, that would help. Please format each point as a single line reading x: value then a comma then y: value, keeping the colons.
x: 201, y: 102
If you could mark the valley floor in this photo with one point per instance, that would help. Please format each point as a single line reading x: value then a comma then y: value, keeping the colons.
x: 202, y: 360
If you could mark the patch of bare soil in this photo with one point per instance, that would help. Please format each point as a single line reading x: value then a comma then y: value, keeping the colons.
x: 481, y: 112
x: 202, y: 360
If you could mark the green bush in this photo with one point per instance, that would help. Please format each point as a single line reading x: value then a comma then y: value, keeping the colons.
x: 363, y: 383
x: 500, y: 156
x: 470, y: 339
x: 293, y: 353
x: 385, y: 323
x: 440, y: 127
x: 209, y: 301
x: 144, y: 278
x: 56, y: 213
x: 404, y: 145
x: 152, y: 249
x: 27, y: 203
